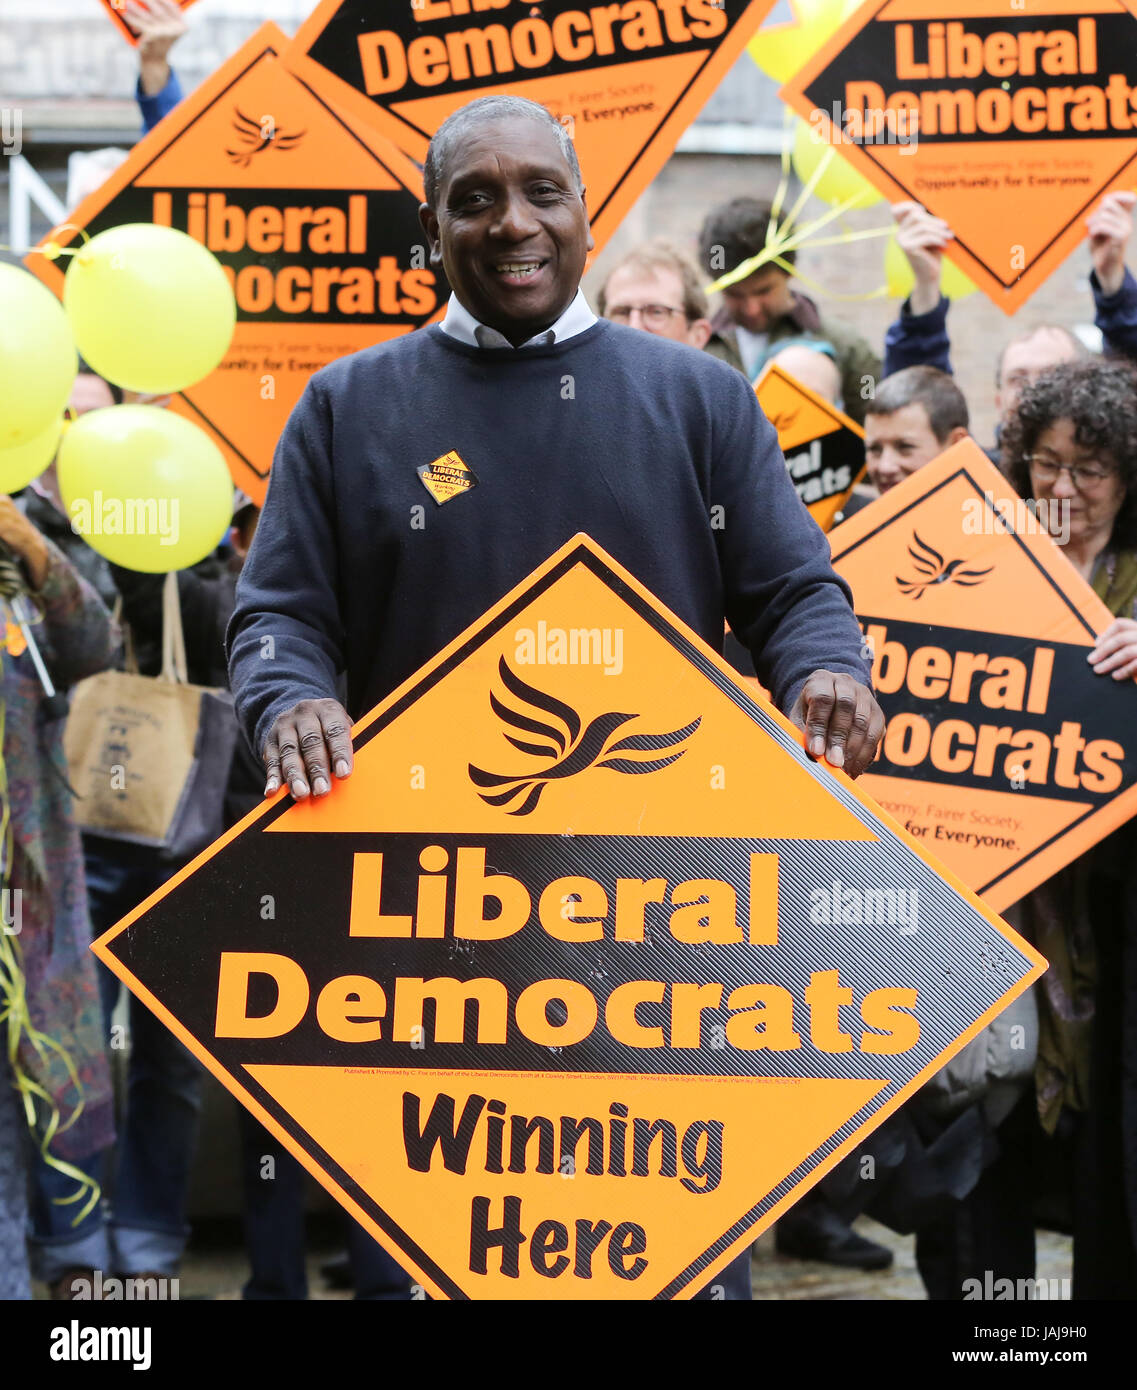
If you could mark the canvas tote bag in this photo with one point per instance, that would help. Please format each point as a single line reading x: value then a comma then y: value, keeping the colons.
x: 149, y: 756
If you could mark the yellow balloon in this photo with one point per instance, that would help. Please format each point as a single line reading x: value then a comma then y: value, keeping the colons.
x: 145, y: 488
x: 151, y: 309
x: 37, y: 358
x: 840, y: 181
x: 901, y: 282
x: 20, y: 465
x: 783, y: 50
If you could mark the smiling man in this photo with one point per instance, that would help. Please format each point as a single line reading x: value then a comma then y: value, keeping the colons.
x: 558, y: 423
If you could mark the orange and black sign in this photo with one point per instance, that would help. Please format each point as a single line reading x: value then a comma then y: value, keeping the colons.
x: 626, y: 80
x: 545, y: 994
x: 115, y: 9
x: 313, y: 217
x: 824, y: 449
x: 1005, y: 754
x: 1006, y: 120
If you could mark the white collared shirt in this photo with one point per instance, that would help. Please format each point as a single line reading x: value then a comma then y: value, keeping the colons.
x: 461, y: 324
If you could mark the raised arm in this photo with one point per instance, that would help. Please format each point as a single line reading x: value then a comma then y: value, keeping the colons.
x: 919, y: 336
x: 1110, y: 227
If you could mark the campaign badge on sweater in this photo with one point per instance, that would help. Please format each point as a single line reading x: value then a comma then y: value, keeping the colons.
x: 446, y: 477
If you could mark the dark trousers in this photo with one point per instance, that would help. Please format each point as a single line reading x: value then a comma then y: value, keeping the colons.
x: 274, y: 1228
x: 992, y: 1228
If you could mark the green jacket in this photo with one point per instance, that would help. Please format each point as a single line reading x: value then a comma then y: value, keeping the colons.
x: 855, y: 358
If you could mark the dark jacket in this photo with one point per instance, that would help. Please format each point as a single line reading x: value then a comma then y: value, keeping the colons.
x: 855, y: 358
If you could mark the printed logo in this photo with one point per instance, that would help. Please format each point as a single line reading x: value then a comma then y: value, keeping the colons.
x: 932, y: 568
x: 571, y: 750
x: 446, y: 477
x: 259, y: 136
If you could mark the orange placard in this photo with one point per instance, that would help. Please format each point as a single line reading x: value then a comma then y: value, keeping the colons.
x: 587, y: 971
x: 824, y: 449
x: 1004, y: 753
x: 314, y: 218
x: 626, y: 80
x: 115, y: 8
x: 1007, y: 120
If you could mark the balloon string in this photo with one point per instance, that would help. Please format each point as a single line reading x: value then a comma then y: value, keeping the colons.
x: 51, y: 248
x: 782, y: 237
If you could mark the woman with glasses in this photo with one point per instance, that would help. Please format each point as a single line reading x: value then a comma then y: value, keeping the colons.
x: 1071, y: 443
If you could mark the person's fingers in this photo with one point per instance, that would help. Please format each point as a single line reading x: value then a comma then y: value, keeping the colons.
x: 818, y: 701
x: 1117, y: 634
x: 840, y: 719
x: 288, y: 735
x: 902, y: 211
x: 271, y: 756
x: 337, y: 736
x: 313, y: 750
x: 1115, y: 658
x: 868, y: 730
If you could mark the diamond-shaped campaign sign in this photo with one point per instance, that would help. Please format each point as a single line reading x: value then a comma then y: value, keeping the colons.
x: 1008, y: 120
x: 313, y: 215
x: 1005, y: 754
x: 824, y: 449
x: 586, y: 972
x: 626, y: 80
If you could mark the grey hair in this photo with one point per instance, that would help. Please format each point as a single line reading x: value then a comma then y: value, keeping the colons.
x: 497, y: 108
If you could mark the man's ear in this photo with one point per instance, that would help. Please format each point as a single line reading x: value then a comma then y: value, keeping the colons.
x: 584, y: 203
x: 699, y: 332
x: 956, y: 435
x: 429, y: 219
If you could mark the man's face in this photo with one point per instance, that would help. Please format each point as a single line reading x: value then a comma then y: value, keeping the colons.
x: 757, y: 302
x: 1024, y: 361
x: 640, y: 297
x: 898, y: 444
x: 510, y: 228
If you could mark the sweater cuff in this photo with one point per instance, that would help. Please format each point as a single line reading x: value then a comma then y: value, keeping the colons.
x: 154, y: 107
x: 931, y: 322
x: 1111, y: 303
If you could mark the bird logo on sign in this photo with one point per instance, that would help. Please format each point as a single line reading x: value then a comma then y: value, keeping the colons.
x: 259, y: 136
x: 571, y: 746
x: 932, y: 569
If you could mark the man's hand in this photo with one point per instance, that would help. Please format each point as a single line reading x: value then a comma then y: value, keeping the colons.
x: 20, y: 536
x: 159, y: 26
x: 922, y: 238
x: 842, y: 722
x: 1110, y: 226
x: 303, y: 743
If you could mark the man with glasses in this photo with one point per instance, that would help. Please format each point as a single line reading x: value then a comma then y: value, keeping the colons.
x: 656, y: 288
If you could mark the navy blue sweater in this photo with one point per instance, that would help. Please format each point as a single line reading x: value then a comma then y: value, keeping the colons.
x: 658, y: 452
